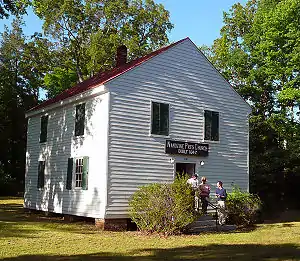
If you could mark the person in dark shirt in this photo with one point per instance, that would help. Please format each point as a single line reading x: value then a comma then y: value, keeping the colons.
x: 221, y: 198
x: 204, y: 189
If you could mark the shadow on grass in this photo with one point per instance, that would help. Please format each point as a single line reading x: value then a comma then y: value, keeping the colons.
x: 15, y: 221
x: 287, y: 216
x: 211, y: 252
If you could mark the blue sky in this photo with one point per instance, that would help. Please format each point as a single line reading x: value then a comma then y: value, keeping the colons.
x: 201, y: 20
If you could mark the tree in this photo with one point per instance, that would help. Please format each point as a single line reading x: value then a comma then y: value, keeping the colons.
x: 258, y: 52
x: 13, y: 7
x: 22, y: 67
x: 89, y: 32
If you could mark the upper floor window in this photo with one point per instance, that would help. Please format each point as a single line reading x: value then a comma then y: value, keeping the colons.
x: 44, y: 126
x: 160, y: 118
x: 79, y: 119
x: 211, y: 129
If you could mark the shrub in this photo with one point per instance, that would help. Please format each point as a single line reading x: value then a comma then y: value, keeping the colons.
x: 163, y: 208
x: 8, y: 186
x: 243, y: 207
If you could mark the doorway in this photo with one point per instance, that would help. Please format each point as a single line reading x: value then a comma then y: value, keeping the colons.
x: 185, y: 168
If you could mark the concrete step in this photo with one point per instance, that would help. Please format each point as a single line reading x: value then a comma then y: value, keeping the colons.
x: 203, y: 223
x: 208, y: 216
x: 224, y: 228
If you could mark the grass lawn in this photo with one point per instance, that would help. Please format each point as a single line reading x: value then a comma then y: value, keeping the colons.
x: 35, y: 237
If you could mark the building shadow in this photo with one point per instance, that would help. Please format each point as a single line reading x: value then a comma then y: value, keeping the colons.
x: 241, y: 252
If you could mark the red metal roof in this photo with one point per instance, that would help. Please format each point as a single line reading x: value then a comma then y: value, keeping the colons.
x: 102, y: 78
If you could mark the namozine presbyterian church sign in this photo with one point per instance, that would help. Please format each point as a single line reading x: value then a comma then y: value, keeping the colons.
x: 186, y: 148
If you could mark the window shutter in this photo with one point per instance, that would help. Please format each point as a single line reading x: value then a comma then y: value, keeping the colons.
x: 215, y: 126
x: 85, y: 173
x: 79, y: 119
x: 164, y: 119
x: 69, y: 174
x: 41, y: 174
x: 155, y: 118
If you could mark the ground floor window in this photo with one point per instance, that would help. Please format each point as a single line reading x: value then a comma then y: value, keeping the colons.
x: 78, y: 172
x: 41, y: 174
x: 79, y: 177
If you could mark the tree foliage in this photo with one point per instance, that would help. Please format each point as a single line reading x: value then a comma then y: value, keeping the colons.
x: 22, y: 67
x: 89, y: 32
x: 13, y: 7
x: 258, y: 52
x: 81, y: 39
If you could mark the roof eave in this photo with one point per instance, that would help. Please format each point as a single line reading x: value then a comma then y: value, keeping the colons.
x: 98, y: 90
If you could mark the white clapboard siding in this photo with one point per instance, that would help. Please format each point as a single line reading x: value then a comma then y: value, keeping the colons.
x: 182, y: 77
x: 62, y: 144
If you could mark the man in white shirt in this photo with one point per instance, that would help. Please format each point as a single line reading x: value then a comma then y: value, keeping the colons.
x: 193, y: 181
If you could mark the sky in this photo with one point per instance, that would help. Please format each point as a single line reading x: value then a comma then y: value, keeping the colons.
x: 201, y: 20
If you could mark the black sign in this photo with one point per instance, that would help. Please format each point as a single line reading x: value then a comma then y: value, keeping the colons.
x: 186, y: 148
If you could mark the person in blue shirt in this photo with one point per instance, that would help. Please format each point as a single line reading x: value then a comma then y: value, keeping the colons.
x: 221, y: 198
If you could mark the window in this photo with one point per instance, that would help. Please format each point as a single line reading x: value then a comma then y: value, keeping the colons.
x: 41, y: 174
x: 211, y: 130
x: 160, y: 118
x: 80, y: 174
x: 44, y: 126
x: 79, y: 119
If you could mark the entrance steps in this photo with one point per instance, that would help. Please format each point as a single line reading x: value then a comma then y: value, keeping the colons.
x: 207, y: 223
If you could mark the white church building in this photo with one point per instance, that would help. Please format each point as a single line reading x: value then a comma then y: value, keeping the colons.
x: 92, y: 146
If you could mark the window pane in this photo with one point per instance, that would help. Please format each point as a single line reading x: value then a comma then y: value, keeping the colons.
x: 155, y: 118
x: 44, y: 126
x: 211, y: 128
x: 208, y: 125
x: 79, y: 119
x: 41, y: 174
x: 164, y: 119
x: 78, y: 172
x: 69, y: 174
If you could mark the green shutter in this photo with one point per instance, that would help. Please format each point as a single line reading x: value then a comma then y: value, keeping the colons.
x: 69, y: 174
x: 79, y: 119
x: 44, y: 126
x: 215, y: 126
x: 155, y: 118
x: 85, y: 174
x: 164, y: 119
x: 41, y: 174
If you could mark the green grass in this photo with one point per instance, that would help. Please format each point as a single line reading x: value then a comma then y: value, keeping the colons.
x: 35, y: 237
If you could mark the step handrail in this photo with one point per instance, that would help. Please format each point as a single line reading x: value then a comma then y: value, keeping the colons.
x: 216, y: 209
